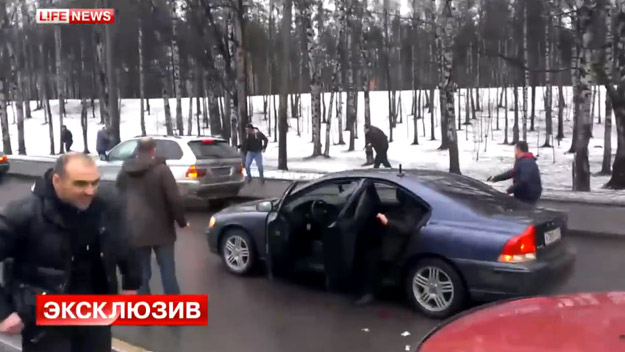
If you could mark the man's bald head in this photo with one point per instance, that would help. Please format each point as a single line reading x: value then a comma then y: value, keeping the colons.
x: 75, y: 179
x: 60, y: 167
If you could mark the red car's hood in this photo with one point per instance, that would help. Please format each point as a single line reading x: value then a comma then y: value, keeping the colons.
x: 586, y: 322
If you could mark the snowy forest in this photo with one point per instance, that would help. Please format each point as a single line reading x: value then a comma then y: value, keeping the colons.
x: 220, y: 53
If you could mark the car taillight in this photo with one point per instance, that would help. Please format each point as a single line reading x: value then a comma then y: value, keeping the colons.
x: 195, y: 172
x: 521, y: 248
x: 3, y: 158
x: 241, y: 169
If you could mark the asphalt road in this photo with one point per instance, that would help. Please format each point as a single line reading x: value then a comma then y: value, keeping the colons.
x: 248, y: 314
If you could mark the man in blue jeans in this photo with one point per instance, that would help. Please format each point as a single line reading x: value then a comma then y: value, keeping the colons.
x: 153, y: 208
x: 254, y: 146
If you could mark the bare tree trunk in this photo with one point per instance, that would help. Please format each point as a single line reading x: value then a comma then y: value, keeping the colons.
x: 284, y: 86
x: 59, y: 83
x: 141, y: 77
x: 447, y: 83
x: 315, y: 76
x: 240, y: 62
x: 4, y: 122
x: 526, y: 74
x: 17, y: 88
x: 113, y: 84
x: 548, y: 88
x: 581, y: 169
x: 176, y: 69
x: 610, y: 66
x: 351, y: 90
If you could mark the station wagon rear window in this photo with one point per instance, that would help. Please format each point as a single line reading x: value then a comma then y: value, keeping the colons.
x: 214, y: 149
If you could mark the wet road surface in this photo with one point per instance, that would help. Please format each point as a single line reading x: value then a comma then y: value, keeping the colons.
x: 254, y: 314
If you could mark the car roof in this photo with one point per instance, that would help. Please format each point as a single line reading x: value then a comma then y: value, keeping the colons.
x: 548, y: 323
x: 181, y: 138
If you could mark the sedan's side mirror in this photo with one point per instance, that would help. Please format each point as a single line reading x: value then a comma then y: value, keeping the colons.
x: 264, y: 207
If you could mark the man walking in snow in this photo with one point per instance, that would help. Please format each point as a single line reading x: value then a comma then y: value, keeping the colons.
x: 525, y: 175
x: 253, y: 148
x: 68, y: 138
x: 374, y: 137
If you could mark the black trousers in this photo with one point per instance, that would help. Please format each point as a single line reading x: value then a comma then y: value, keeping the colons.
x: 381, y: 158
x: 67, y: 339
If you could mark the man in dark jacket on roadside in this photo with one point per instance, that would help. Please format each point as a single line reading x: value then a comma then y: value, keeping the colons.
x: 375, y: 138
x: 63, y: 238
x: 68, y: 138
x: 525, y: 175
x: 153, y: 204
x: 253, y: 147
x: 103, y: 142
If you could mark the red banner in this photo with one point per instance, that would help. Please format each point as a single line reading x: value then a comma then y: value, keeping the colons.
x: 65, y: 310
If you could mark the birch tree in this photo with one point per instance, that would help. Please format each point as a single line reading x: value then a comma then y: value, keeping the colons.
x: 284, y: 85
x: 175, y: 56
x: 312, y: 46
x: 446, y: 28
x: 588, y: 14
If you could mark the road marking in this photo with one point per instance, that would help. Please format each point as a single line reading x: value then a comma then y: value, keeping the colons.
x: 118, y: 345
x: 122, y: 346
x: 4, y: 341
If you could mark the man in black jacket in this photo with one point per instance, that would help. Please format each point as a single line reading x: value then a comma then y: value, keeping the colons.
x: 375, y: 138
x: 253, y: 147
x: 63, y: 239
x: 525, y: 175
x: 401, y: 220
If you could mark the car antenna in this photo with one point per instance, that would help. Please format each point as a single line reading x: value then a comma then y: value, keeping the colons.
x: 401, y: 173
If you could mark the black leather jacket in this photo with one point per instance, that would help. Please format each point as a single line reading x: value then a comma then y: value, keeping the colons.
x: 37, y: 255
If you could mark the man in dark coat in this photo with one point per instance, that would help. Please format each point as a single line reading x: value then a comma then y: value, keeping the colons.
x: 63, y: 238
x: 103, y: 142
x: 253, y: 148
x: 68, y: 138
x: 375, y: 138
x: 401, y: 221
x: 525, y: 175
x: 153, y: 205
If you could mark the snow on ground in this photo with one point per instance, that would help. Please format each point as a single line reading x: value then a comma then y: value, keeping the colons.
x: 481, y: 150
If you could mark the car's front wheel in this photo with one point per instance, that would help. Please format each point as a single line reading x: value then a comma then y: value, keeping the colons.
x: 237, y: 251
x: 435, y: 288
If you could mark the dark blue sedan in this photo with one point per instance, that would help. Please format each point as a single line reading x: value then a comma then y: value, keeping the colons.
x: 466, y: 241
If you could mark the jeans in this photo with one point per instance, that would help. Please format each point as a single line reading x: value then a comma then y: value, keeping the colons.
x: 166, y: 264
x: 254, y: 156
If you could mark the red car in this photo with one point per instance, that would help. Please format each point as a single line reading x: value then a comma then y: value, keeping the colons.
x: 584, y: 322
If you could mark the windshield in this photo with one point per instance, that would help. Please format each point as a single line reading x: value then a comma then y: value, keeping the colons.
x: 213, y: 150
x: 475, y: 194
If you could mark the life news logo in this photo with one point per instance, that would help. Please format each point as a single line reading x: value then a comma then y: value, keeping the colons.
x: 90, y: 310
x: 76, y: 16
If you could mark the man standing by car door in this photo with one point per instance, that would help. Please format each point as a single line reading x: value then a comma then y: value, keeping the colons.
x: 253, y: 147
x: 153, y: 204
x: 400, y: 221
x: 63, y: 239
x: 525, y: 175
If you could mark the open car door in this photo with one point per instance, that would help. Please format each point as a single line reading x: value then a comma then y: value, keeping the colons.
x: 278, y: 236
x: 340, y: 237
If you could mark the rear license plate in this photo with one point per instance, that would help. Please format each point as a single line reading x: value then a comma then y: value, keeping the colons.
x: 552, y: 236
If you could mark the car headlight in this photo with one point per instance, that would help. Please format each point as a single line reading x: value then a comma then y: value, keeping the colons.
x: 212, y: 222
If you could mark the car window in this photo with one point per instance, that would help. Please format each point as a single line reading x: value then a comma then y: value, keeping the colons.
x: 213, y: 149
x: 123, y: 151
x: 386, y: 192
x: 334, y: 188
x: 168, y: 150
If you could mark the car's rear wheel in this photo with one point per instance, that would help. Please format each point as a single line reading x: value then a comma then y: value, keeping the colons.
x: 435, y: 289
x: 237, y: 251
